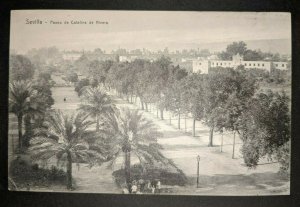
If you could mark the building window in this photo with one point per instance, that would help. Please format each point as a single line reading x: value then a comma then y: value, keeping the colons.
x: 258, y: 64
x: 217, y: 64
x: 213, y: 63
x: 253, y: 64
x: 245, y: 64
x: 276, y: 65
x: 249, y: 64
x: 263, y: 64
x: 220, y: 63
x: 199, y: 63
x: 282, y: 65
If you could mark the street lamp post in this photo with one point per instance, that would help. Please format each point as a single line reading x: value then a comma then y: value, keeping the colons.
x: 198, y: 160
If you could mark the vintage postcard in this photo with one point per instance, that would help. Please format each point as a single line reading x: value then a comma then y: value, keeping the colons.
x: 150, y: 102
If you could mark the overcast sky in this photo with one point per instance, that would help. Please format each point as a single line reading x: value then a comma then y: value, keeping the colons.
x: 138, y: 29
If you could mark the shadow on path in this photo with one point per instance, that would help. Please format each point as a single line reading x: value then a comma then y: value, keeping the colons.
x: 264, y: 183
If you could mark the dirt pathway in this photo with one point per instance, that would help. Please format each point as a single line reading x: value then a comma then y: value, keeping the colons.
x: 97, y: 179
x: 219, y: 173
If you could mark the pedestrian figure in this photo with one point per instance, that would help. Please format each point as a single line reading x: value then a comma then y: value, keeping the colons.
x: 28, y: 187
x: 134, y: 189
x: 154, y: 183
x: 65, y: 99
x: 152, y: 189
x: 125, y: 191
x: 158, y: 186
x: 148, y: 184
x: 129, y: 187
x: 142, y: 184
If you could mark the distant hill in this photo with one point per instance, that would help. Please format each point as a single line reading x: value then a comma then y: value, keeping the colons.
x: 282, y: 46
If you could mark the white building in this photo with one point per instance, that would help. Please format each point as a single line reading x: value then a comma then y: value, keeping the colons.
x: 72, y: 56
x: 129, y: 59
x: 203, y: 66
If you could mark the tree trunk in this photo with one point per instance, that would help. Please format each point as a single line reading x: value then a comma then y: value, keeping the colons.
x: 162, y: 114
x: 185, y: 123
x: 20, y: 123
x: 222, y: 142
x: 69, y: 171
x: 127, y: 168
x: 131, y: 98
x: 157, y: 113
x: 179, y: 120
x: 146, y: 107
x: 211, y: 134
x: 142, y: 104
x: 194, y: 127
x: 97, y: 123
x: 233, y: 146
x: 28, y: 131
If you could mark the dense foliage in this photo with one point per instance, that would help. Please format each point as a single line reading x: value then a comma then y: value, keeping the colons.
x: 249, y: 55
x: 265, y: 128
x: 137, y: 173
x: 224, y: 99
x: 20, y: 68
x: 26, y: 175
x: 65, y: 137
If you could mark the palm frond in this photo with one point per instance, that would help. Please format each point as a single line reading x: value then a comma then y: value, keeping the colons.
x: 65, y: 133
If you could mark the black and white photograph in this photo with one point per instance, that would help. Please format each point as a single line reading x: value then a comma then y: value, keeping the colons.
x: 150, y: 102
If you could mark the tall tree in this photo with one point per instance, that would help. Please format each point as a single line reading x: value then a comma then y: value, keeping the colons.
x: 265, y: 127
x: 229, y: 115
x: 65, y: 138
x: 20, y: 68
x: 21, y: 94
x: 162, y: 72
x: 233, y: 49
x: 193, y: 94
x: 96, y: 103
x: 219, y: 88
x: 38, y: 105
x: 252, y: 55
x: 130, y: 133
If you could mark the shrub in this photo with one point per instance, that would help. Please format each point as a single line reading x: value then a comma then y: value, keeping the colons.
x: 24, y: 174
x: 81, y: 84
x: 283, y: 157
x: 166, y: 177
x: 250, y: 154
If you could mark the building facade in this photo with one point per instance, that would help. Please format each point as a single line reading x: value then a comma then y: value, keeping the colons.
x: 72, y: 56
x: 203, y: 66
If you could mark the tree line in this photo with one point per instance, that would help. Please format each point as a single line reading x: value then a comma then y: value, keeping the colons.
x: 223, y: 100
x: 97, y: 132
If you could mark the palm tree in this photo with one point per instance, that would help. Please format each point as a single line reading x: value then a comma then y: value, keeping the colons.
x: 96, y: 103
x: 66, y: 138
x: 20, y: 103
x: 128, y: 132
